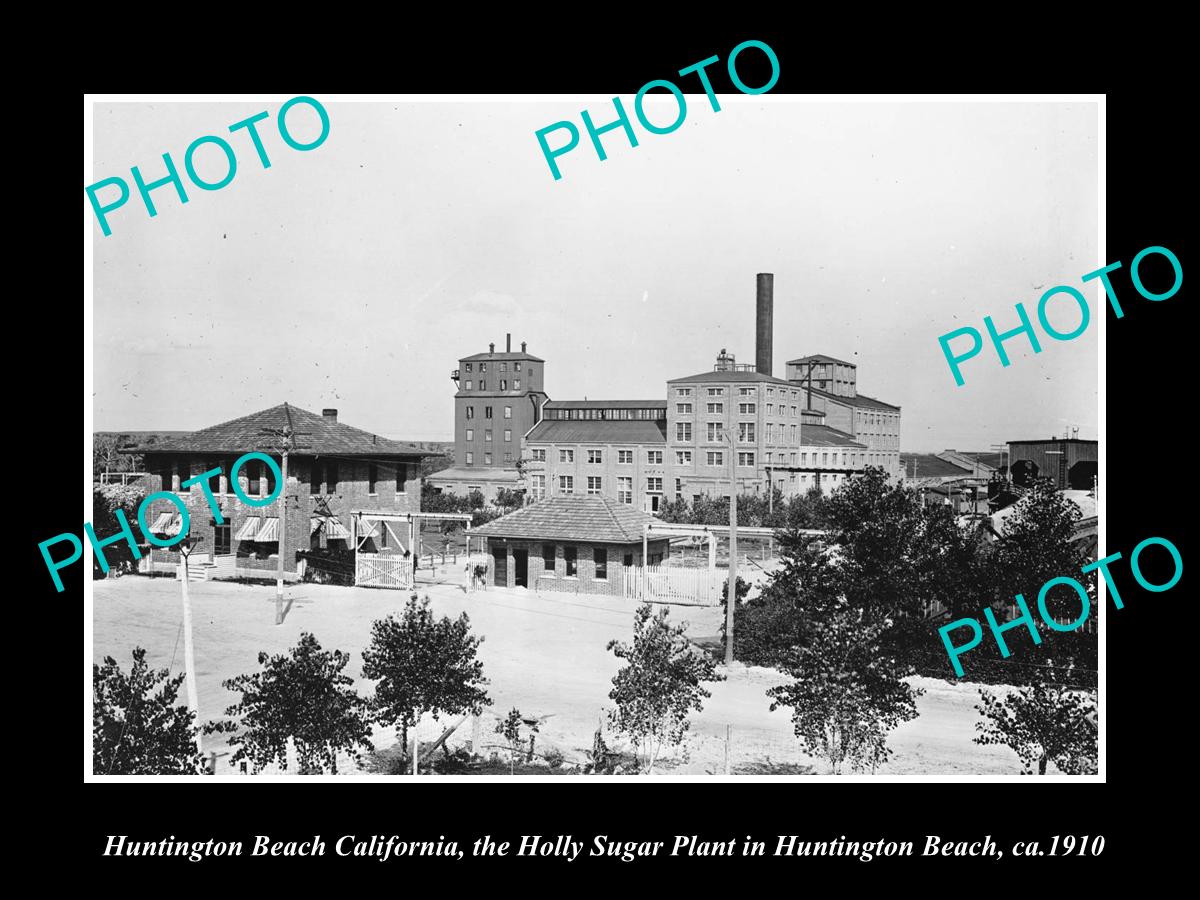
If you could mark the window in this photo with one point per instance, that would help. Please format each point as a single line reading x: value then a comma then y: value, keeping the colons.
x: 221, y: 538
x: 253, y: 482
x: 715, y: 430
x: 683, y: 408
x: 467, y: 366
x: 470, y: 458
x: 487, y: 412
x: 508, y: 456
x: 746, y: 408
x: 508, y: 434
x: 539, y: 486
x: 625, y: 457
x: 716, y: 458
x: 683, y: 392
x: 503, y: 367
x: 625, y: 490
x: 600, y: 558
x: 548, y: 558
x: 314, y: 485
x: 745, y: 431
x: 517, y: 366
x: 566, y: 484
x: 566, y: 456
x: 487, y: 434
x: 593, y: 484
x: 482, y: 384
x: 467, y: 385
x: 767, y: 457
x: 331, y: 477
x: 716, y: 407
x: 678, y: 488
x: 654, y: 485
x: 570, y: 563
x: 539, y: 454
x: 508, y: 412
x: 595, y: 457
x: 683, y: 457
x: 770, y: 433
x: 793, y: 412
x: 627, y: 560
x: 504, y: 384
x: 793, y: 434
x: 372, y: 477
x: 745, y: 392
x: 683, y: 431
x: 483, y: 367
x: 716, y: 392
x: 824, y: 459
x: 487, y: 458
x: 745, y: 459
x: 516, y: 384
x: 654, y: 457
x: 804, y: 459
x: 470, y: 434
x: 401, y: 477
x: 770, y: 408
x: 470, y: 412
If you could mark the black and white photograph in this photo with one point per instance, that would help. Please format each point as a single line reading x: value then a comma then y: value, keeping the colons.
x: 431, y: 436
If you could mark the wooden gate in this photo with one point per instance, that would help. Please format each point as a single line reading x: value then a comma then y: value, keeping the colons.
x: 681, y: 585
x: 383, y: 570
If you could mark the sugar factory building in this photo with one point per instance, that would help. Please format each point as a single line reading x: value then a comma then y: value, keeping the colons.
x: 733, y: 422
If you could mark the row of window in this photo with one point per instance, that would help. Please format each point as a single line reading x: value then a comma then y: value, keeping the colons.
x: 487, y: 412
x: 653, y: 414
x: 596, y: 457
x: 501, y: 366
x: 784, y: 393
x: 487, y: 457
x: 323, y: 476
x: 744, y: 409
x: 516, y: 385
x: 487, y: 434
x: 595, y: 486
x: 570, y: 558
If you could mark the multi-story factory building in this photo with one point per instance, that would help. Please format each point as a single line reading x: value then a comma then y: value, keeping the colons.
x: 606, y: 448
x: 499, y: 398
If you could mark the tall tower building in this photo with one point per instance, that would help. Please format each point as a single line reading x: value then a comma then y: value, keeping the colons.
x: 498, y: 399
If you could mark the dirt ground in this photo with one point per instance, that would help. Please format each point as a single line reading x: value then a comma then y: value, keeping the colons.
x: 543, y: 654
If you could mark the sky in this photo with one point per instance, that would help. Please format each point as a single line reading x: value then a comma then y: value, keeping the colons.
x: 355, y: 275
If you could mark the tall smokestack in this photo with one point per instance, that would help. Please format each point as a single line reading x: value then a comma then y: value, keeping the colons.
x: 763, y: 362
x: 508, y: 342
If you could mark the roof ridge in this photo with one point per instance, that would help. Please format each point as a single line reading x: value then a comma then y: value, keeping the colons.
x: 620, y: 526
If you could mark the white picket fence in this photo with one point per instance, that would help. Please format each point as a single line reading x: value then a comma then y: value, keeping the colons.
x: 680, y: 585
x: 383, y: 570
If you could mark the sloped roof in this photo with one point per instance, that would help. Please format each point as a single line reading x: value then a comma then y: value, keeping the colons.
x: 824, y: 436
x: 317, y: 436
x: 820, y: 358
x: 599, y: 431
x: 499, y: 357
x: 862, y: 400
x: 726, y: 376
x: 481, y: 474
x: 571, y: 518
x: 928, y: 465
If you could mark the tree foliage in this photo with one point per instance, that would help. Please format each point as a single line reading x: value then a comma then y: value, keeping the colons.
x: 138, y: 726
x: 847, y: 692
x: 303, y: 696
x: 423, y: 665
x: 106, y: 499
x: 510, y: 729
x: 661, y: 682
x: 754, y: 510
x: 1042, y: 722
x: 106, y: 457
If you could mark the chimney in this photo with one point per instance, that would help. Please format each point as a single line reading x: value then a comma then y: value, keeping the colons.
x: 522, y: 346
x: 508, y: 342
x: 765, y: 323
x: 330, y: 416
x: 491, y: 348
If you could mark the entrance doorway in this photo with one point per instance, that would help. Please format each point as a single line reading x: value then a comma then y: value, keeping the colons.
x: 500, y: 558
x: 521, y: 568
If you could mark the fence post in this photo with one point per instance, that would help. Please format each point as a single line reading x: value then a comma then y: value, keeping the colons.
x: 728, y: 739
x: 415, y: 745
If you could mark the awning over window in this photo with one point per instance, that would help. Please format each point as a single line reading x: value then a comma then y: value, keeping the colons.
x: 161, y: 523
x: 174, y: 526
x: 269, y: 530
x: 248, y: 530
x: 333, y: 527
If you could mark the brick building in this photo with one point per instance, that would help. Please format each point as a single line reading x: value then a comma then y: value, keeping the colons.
x: 604, y: 448
x: 577, y: 544
x: 830, y: 386
x: 335, y: 470
x: 1072, y: 463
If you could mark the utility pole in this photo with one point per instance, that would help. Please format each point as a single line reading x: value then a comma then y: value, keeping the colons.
x: 731, y: 599
x: 287, y: 437
x: 189, y: 654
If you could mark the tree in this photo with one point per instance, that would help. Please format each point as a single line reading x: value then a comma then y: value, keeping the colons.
x: 107, y: 457
x: 137, y: 726
x: 847, y: 694
x: 106, y: 499
x: 510, y: 728
x: 1042, y: 722
x: 303, y: 696
x: 423, y: 665
x: 508, y: 499
x: 660, y: 684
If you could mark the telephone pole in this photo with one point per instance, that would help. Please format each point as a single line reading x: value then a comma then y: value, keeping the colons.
x: 731, y: 598
x: 287, y: 444
x: 189, y: 654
